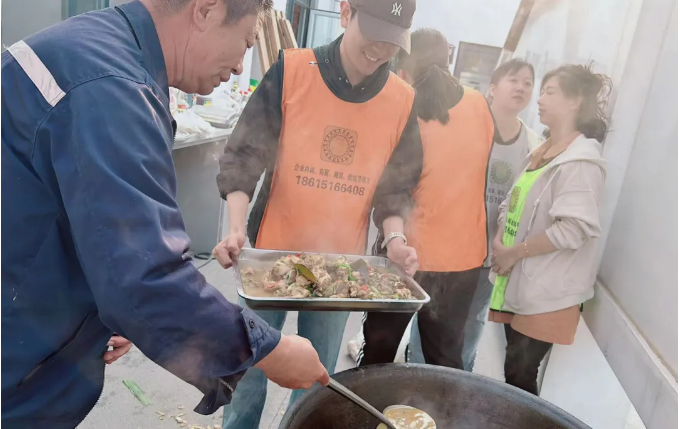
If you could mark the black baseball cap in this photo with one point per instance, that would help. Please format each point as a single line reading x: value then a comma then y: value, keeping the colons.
x: 386, y: 21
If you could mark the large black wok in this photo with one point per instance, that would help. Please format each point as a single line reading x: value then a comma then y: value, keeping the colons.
x: 455, y: 399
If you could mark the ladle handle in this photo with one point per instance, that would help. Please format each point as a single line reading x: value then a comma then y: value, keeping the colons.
x: 342, y: 390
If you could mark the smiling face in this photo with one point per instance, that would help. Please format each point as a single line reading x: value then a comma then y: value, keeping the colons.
x: 513, y: 91
x: 554, y: 107
x: 215, y: 50
x: 364, y: 56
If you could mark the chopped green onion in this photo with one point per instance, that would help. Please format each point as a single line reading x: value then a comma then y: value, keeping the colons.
x: 351, y: 277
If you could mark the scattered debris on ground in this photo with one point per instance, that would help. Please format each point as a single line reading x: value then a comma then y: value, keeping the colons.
x: 183, y: 423
x: 137, y: 391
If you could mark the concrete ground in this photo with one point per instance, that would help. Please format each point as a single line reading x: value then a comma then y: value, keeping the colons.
x: 119, y: 409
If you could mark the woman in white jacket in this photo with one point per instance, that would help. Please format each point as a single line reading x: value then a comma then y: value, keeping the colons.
x: 544, y: 252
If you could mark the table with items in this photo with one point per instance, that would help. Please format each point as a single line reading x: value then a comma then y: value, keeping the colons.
x: 204, y: 124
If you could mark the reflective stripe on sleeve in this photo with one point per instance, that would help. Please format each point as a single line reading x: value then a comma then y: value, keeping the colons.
x: 37, y: 72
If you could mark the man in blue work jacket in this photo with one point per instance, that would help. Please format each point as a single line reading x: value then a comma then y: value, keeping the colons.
x: 93, y: 240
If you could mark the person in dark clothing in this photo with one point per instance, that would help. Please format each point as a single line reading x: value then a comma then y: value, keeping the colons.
x: 447, y: 226
x: 92, y: 237
x: 335, y: 134
x: 523, y: 357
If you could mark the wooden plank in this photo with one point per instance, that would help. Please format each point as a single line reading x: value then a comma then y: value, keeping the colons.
x: 282, y: 34
x: 265, y: 40
x: 290, y: 35
x: 282, y: 30
x: 518, y: 24
x: 286, y: 32
x: 275, y: 33
x: 263, y: 50
x: 285, y: 40
x: 273, y: 37
x: 277, y: 21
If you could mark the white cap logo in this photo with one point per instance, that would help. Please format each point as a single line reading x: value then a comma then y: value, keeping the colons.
x: 396, y: 9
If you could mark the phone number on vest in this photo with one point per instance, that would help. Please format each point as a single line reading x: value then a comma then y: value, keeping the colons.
x: 331, y: 186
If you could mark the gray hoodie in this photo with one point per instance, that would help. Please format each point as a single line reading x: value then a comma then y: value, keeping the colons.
x: 565, y: 203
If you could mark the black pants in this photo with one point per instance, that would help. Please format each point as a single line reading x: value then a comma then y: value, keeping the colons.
x: 523, y: 356
x: 441, y: 322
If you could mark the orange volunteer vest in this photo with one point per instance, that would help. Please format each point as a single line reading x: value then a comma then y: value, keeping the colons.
x: 447, y: 226
x: 330, y: 158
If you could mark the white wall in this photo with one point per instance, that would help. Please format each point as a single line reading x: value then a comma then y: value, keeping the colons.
x: 640, y: 262
x: 486, y: 22
x: 633, y: 317
x: 21, y: 18
x: 280, y: 5
x: 576, y: 31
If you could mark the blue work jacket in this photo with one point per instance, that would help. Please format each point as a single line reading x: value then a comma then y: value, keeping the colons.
x: 93, y: 241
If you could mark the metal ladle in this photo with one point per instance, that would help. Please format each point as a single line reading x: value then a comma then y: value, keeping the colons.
x: 343, y: 391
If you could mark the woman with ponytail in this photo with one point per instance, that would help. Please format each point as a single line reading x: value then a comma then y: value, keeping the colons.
x: 544, y: 258
x: 447, y: 225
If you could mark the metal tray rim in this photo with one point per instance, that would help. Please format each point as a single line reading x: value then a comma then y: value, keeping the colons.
x: 319, y: 300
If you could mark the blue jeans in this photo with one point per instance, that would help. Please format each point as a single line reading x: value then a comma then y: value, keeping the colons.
x: 414, y: 349
x: 323, y: 328
x: 479, y: 312
x: 474, y: 327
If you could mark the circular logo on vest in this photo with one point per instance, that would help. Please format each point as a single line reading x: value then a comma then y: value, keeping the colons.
x: 339, y: 145
x: 501, y: 172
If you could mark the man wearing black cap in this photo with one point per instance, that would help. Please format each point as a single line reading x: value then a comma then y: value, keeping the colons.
x: 335, y: 134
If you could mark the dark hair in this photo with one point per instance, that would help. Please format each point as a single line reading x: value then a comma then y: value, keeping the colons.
x: 511, y: 67
x: 428, y: 65
x: 236, y: 9
x: 594, y: 90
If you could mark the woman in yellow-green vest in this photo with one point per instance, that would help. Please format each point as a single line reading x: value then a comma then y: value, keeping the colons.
x: 543, y: 258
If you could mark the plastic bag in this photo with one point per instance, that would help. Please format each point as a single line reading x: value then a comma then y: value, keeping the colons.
x: 224, y: 110
x: 189, y: 124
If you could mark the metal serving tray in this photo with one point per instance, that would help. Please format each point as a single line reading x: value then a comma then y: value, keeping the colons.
x: 259, y: 259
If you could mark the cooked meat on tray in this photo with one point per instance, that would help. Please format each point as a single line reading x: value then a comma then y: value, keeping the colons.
x: 302, y: 276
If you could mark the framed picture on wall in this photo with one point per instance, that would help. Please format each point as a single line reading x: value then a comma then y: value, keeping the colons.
x: 475, y: 64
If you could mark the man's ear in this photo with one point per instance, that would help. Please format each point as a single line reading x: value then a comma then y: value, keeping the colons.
x: 205, y: 12
x: 345, y: 14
